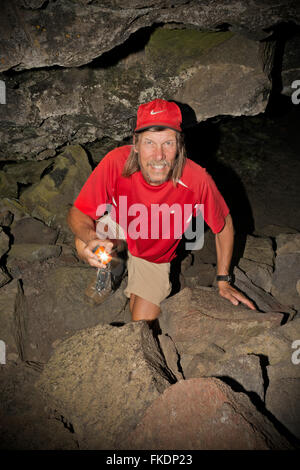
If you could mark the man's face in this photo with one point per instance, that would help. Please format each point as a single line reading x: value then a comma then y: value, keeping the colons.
x: 157, y: 152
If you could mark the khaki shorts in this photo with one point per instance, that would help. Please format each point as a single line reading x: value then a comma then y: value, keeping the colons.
x: 148, y: 280
x: 145, y: 279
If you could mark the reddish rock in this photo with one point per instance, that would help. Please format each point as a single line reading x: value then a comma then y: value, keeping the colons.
x: 204, y: 414
x: 197, y: 318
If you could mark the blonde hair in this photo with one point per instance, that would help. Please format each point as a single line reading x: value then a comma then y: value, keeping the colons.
x: 132, y: 163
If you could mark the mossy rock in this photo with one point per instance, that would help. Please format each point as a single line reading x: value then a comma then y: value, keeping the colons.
x: 50, y: 198
x: 178, y: 49
x: 8, y: 185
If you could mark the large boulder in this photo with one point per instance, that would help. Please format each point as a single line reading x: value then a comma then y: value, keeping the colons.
x: 29, y: 230
x: 287, y: 270
x: 275, y: 345
x: 242, y: 372
x: 258, y: 273
x: 57, y: 306
x: 102, y: 380
x: 27, y: 172
x: 25, y: 424
x: 23, y: 254
x: 50, y: 199
x: 204, y: 414
x: 283, y: 394
x: 259, y: 249
x: 196, y: 318
x: 263, y: 300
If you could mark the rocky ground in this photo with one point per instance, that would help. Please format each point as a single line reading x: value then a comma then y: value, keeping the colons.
x: 211, y: 375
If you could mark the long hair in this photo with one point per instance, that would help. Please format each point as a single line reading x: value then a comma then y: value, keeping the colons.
x: 132, y: 163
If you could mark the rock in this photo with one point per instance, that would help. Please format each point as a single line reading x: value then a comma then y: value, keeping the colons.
x: 4, y: 277
x: 13, y: 206
x: 23, y: 254
x: 290, y: 64
x: 213, y: 418
x: 50, y: 199
x: 6, y: 218
x: 27, y: 172
x: 8, y: 185
x: 244, y: 370
x: 91, y: 103
x: 4, y: 242
x: 282, y: 400
x: 207, y: 254
x: 25, y: 424
x: 99, y: 148
x: 58, y: 292
x: 46, y: 43
x: 10, y: 331
x: 259, y: 273
x: 198, y: 365
x: 273, y: 231
x: 263, y: 301
x: 287, y: 243
x: 233, y: 69
x: 195, y: 319
x: 200, y: 275
x: 102, y: 379
x: 29, y: 230
x: 170, y: 354
x: 274, y: 344
x: 285, y: 278
x: 242, y: 373
x: 259, y: 249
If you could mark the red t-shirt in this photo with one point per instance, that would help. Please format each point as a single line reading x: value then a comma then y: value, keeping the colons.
x: 153, y: 217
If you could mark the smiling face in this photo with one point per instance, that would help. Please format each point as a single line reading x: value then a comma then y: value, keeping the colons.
x: 157, y: 152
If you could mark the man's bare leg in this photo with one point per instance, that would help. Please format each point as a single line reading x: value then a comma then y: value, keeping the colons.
x: 142, y: 309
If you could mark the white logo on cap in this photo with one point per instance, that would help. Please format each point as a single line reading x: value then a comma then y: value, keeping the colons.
x: 156, y: 112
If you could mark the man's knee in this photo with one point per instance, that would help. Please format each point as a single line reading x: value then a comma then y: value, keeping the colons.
x: 142, y: 309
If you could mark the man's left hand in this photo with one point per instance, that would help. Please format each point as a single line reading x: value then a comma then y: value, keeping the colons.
x: 233, y: 295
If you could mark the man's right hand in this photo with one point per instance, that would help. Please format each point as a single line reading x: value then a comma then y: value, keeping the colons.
x: 85, y: 251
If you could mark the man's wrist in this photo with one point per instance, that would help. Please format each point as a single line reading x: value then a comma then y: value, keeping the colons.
x: 224, y: 278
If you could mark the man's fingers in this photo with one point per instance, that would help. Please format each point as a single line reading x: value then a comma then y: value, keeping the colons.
x: 235, y: 297
x: 244, y: 300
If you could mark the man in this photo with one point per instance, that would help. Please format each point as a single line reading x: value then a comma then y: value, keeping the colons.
x: 136, y: 180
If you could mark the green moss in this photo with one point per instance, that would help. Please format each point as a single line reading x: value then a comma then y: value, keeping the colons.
x: 181, y: 47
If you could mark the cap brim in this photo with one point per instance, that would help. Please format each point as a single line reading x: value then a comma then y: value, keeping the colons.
x: 162, y: 126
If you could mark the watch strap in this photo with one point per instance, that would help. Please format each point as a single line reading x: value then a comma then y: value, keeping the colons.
x: 226, y: 278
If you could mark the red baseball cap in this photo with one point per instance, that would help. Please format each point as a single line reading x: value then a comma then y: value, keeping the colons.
x: 159, y: 113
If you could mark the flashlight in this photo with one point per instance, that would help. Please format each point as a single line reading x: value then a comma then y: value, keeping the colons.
x: 102, y: 254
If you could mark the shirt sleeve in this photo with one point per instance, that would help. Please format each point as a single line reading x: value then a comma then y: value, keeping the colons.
x: 215, y: 209
x: 96, y: 193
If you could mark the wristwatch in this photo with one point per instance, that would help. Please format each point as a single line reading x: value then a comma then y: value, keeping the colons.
x: 226, y: 278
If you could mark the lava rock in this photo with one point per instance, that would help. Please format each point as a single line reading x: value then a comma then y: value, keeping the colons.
x: 102, y: 380
x: 50, y: 199
x: 196, y: 318
x: 204, y: 414
x: 29, y: 230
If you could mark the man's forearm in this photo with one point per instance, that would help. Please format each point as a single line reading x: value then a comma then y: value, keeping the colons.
x: 81, y: 225
x: 224, y: 247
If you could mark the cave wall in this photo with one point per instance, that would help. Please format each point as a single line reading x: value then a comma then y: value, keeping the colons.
x: 76, y: 71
